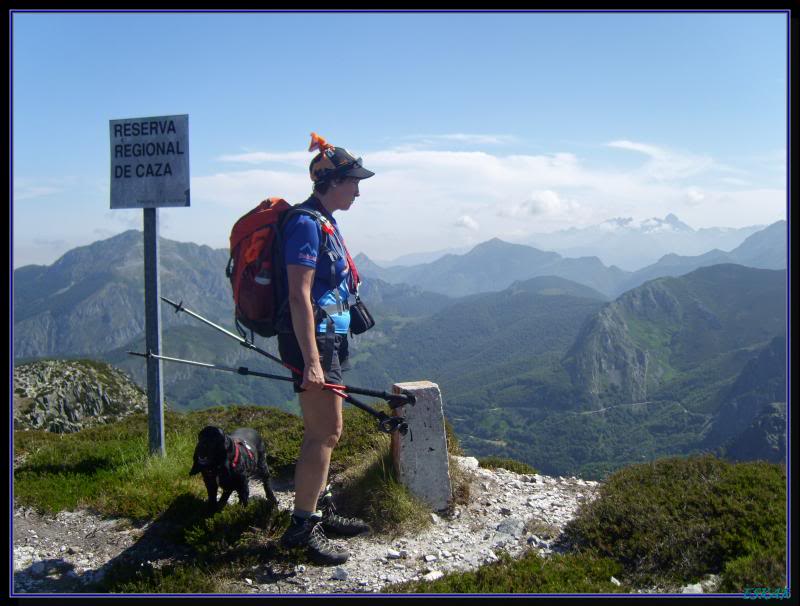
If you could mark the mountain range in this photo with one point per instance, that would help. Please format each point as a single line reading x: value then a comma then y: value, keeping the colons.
x: 631, y: 244
x: 494, y: 265
x: 557, y: 370
x: 622, y: 241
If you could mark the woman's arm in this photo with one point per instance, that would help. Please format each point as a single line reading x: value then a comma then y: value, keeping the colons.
x: 300, y: 280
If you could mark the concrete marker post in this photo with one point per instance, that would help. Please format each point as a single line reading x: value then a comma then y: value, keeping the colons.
x: 420, y: 457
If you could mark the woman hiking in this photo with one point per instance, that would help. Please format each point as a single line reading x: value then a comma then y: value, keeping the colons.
x: 320, y: 278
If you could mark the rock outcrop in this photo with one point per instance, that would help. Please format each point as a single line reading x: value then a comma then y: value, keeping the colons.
x: 65, y: 396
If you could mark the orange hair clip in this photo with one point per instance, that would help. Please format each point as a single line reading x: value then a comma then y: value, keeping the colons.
x: 319, y: 143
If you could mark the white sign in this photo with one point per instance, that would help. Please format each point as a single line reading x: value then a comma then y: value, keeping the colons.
x: 150, y: 162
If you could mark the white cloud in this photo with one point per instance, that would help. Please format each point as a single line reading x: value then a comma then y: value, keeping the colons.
x: 424, y: 199
x: 665, y: 164
x: 737, y: 208
x: 540, y: 203
x: 422, y: 141
x: 467, y: 222
x: 694, y: 195
x: 246, y: 188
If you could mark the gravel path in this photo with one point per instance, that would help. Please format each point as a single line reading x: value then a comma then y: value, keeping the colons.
x: 506, y: 512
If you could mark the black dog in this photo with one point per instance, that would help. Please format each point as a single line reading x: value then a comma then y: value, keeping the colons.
x: 230, y: 461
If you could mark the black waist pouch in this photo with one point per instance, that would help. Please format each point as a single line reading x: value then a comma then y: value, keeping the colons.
x: 360, y: 318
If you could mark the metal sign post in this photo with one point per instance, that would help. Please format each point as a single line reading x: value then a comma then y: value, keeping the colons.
x: 150, y: 169
x: 152, y: 325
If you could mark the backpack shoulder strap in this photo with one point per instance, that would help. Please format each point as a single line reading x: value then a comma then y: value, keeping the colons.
x: 326, y: 227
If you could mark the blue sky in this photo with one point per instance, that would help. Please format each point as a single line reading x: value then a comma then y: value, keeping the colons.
x: 477, y: 125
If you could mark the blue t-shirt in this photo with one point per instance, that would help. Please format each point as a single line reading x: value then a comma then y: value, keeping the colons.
x: 301, y: 246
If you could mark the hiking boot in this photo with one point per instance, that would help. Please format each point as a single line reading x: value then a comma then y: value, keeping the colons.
x: 334, y: 523
x: 308, y: 533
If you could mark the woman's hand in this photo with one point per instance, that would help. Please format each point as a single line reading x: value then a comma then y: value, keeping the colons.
x: 300, y: 281
x: 313, y: 377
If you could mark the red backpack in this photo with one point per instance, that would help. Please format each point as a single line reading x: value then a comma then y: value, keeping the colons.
x: 255, y: 267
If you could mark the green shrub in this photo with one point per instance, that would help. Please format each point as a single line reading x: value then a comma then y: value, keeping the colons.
x: 761, y: 567
x: 570, y: 573
x: 178, y: 578
x: 214, y: 535
x: 509, y: 464
x: 678, y: 519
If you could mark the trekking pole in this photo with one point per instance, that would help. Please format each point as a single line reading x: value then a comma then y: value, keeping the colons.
x: 241, y: 370
x: 386, y: 423
x: 394, y: 400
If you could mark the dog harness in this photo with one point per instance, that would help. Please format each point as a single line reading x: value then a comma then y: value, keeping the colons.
x: 247, y: 449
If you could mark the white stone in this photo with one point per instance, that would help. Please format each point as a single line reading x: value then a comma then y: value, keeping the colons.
x: 393, y: 555
x: 248, y: 581
x: 431, y: 558
x: 615, y: 582
x: 422, y: 463
x: 339, y: 574
x: 468, y: 462
x: 433, y: 575
x: 695, y: 588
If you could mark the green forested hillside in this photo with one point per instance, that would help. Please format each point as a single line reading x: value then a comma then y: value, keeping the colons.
x: 572, y: 386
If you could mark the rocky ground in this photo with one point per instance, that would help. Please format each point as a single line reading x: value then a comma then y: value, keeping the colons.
x: 506, y: 512
x: 63, y: 396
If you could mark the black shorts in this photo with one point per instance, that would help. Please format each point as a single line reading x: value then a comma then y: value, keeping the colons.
x: 290, y: 353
